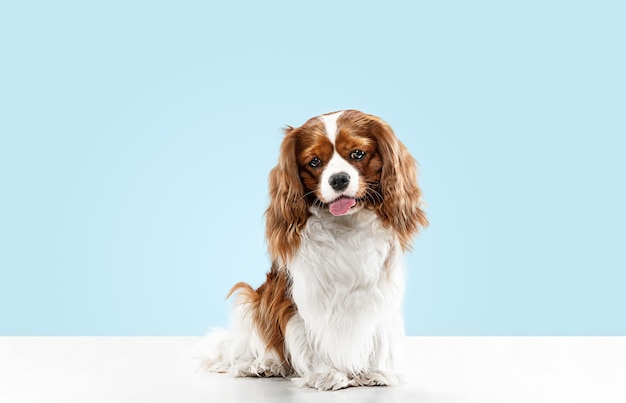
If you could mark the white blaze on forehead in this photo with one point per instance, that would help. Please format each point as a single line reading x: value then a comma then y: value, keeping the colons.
x: 330, y: 125
x: 336, y: 165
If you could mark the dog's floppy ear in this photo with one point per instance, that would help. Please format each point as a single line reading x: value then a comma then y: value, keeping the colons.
x: 401, y: 208
x: 287, y: 212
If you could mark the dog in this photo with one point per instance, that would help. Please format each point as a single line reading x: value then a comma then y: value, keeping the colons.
x: 344, y: 207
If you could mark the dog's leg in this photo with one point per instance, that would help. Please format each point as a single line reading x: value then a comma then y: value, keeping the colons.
x: 240, y: 351
x: 385, y: 357
x: 309, y: 368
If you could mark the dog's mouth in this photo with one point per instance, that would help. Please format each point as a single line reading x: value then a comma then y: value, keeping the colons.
x: 341, y: 206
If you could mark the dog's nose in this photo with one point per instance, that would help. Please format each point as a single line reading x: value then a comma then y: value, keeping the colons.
x: 339, y: 181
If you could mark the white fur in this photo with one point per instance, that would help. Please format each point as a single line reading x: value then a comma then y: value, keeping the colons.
x: 347, y: 283
x: 336, y: 165
x: 240, y: 352
x: 330, y: 125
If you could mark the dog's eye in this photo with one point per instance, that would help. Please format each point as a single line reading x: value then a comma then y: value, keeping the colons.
x: 357, y: 155
x: 315, y: 163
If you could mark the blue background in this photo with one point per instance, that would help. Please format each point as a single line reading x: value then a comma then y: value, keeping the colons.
x: 136, y: 139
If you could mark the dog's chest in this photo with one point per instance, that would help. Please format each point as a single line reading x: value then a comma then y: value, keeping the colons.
x: 342, y: 262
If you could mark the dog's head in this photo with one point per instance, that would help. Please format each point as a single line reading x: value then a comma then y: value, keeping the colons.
x: 338, y: 164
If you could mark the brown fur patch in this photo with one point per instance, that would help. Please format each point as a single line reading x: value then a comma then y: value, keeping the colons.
x: 271, y: 308
x: 287, y: 212
x: 401, y: 208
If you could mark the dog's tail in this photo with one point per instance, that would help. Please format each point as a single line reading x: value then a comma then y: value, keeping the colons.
x: 258, y: 327
x: 223, y: 349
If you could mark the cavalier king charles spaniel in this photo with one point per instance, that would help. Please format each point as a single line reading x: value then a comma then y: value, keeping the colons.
x: 344, y: 206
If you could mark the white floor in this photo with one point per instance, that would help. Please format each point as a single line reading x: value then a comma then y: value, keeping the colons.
x: 437, y: 369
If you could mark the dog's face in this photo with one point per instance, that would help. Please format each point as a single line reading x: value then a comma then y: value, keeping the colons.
x: 340, y: 163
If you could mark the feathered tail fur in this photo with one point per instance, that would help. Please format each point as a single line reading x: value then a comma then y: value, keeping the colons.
x: 255, y: 346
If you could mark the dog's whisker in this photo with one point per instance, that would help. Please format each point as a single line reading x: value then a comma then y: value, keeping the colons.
x: 306, y: 194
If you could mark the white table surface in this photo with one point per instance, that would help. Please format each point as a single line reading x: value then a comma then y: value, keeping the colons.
x: 437, y: 369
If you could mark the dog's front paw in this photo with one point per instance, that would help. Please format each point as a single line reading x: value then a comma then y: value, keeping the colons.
x: 331, y: 380
x: 269, y: 367
x: 261, y: 368
x: 379, y: 378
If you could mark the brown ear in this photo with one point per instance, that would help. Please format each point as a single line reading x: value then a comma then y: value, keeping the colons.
x: 287, y: 212
x: 401, y: 208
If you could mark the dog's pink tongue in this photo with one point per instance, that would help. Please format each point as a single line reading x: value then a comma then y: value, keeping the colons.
x: 341, y: 206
